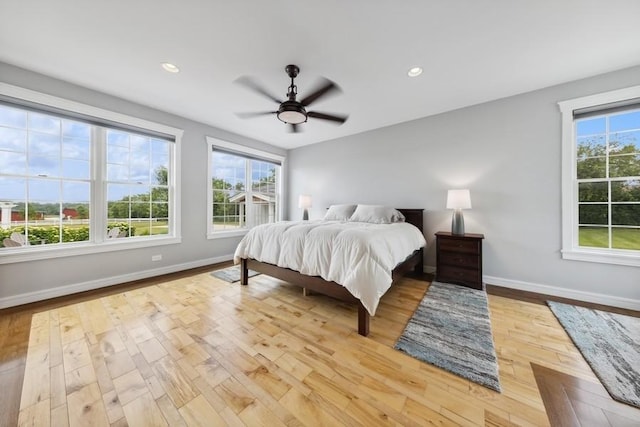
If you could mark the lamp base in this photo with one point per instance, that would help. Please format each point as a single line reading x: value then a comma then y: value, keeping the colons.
x: 457, y: 223
x: 305, y: 215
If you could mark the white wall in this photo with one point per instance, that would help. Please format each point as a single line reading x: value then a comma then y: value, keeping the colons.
x: 508, y: 153
x: 29, y: 281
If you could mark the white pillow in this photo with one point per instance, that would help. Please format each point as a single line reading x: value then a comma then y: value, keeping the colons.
x: 339, y: 212
x: 376, y: 214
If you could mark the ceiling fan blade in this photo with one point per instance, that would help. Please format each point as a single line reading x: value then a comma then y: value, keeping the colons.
x: 251, y: 115
x: 325, y: 88
x: 324, y: 116
x: 294, y: 128
x: 253, y: 85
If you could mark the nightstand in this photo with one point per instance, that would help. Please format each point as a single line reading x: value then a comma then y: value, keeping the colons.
x: 459, y: 259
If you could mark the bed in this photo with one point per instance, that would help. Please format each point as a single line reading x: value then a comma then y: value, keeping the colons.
x: 411, y: 261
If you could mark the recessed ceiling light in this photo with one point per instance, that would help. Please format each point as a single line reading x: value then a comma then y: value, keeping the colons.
x: 168, y: 66
x: 414, y: 72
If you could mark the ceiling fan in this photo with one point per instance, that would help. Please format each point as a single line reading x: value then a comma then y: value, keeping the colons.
x: 292, y: 111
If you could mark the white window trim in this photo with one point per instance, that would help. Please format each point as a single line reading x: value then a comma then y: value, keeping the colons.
x: 570, y: 248
x: 56, y: 251
x: 240, y: 149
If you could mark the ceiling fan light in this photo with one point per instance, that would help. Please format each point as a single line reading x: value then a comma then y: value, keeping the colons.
x: 292, y: 113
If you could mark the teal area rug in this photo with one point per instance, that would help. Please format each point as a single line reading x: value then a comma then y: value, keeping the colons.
x: 451, y: 330
x: 231, y: 274
x: 610, y: 343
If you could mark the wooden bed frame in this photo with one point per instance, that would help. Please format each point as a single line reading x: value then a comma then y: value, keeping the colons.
x: 414, y: 262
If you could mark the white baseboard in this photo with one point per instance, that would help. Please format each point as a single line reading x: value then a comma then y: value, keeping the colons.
x: 29, y: 297
x: 628, y: 303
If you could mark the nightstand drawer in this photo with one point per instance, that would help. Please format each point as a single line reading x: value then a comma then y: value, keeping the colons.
x: 460, y: 259
x: 450, y: 274
x: 459, y: 246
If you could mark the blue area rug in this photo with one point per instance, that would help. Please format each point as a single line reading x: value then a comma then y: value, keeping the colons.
x: 610, y: 343
x: 451, y: 330
x: 231, y: 274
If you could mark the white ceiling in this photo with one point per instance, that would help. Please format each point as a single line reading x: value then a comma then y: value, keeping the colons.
x: 472, y: 51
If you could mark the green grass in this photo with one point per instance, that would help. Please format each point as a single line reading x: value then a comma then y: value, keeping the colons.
x: 597, y: 237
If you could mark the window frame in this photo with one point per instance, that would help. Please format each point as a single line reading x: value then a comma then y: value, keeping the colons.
x: 571, y: 249
x: 98, y: 196
x: 249, y: 152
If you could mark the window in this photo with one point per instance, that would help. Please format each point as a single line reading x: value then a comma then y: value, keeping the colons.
x: 601, y: 177
x: 245, y: 188
x: 77, y: 179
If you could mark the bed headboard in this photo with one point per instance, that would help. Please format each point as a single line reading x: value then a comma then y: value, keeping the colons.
x: 414, y: 217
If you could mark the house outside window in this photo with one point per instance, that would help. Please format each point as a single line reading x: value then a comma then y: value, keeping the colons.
x: 78, y: 179
x: 601, y: 177
x: 245, y: 188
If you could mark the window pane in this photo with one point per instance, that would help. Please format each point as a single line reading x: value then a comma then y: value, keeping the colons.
x: 117, y: 172
x: 117, y: 138
x: 44, y: 190
x: 626, y: 238
x: 13, y: 189
x: 593, y: 214
x: 625, y: 191
x: 159, y: 194
x: 76, y: 192
x: 624, y: 142
x: 13, y: 117
x: 79, y: 169
x: 159, y: 210
x: 44, y: 166
x: 593, y: 167
x: 596, y: 125
x: 117, y: 154
x: 12, y: 163
x: 13, y: 139
x: 76, y: 130
x: 118, y: 192
x: 73, y: 148
x: 592, y: 146
x: 625, y: 121
x: 44, y: 123
x: 623, y: 166
x: 625, y: 215
x: 595, y: 237
x: 593, y: 191
x: 44, y: 144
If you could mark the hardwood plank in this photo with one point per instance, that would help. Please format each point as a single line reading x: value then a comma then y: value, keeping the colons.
x: 572, y: 401
x: 143, y: 411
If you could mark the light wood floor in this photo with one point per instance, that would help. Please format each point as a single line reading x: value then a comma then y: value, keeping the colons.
x: 194, y: 350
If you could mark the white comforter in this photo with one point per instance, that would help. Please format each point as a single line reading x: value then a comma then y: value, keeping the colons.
x: 359, y: 256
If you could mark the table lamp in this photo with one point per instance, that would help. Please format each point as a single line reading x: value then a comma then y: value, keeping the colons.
x: 304, y: 202
x: 458, y: 200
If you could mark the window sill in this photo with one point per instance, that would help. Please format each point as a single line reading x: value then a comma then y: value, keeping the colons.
x: 618, y: 257
x: 227, y: 234
x: 39, y: 252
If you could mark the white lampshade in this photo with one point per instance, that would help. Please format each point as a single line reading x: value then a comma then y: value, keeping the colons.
x: 304, y: 201
x: 458, y: 199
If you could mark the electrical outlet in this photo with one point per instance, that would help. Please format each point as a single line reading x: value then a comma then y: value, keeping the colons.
x: 156, y: 258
